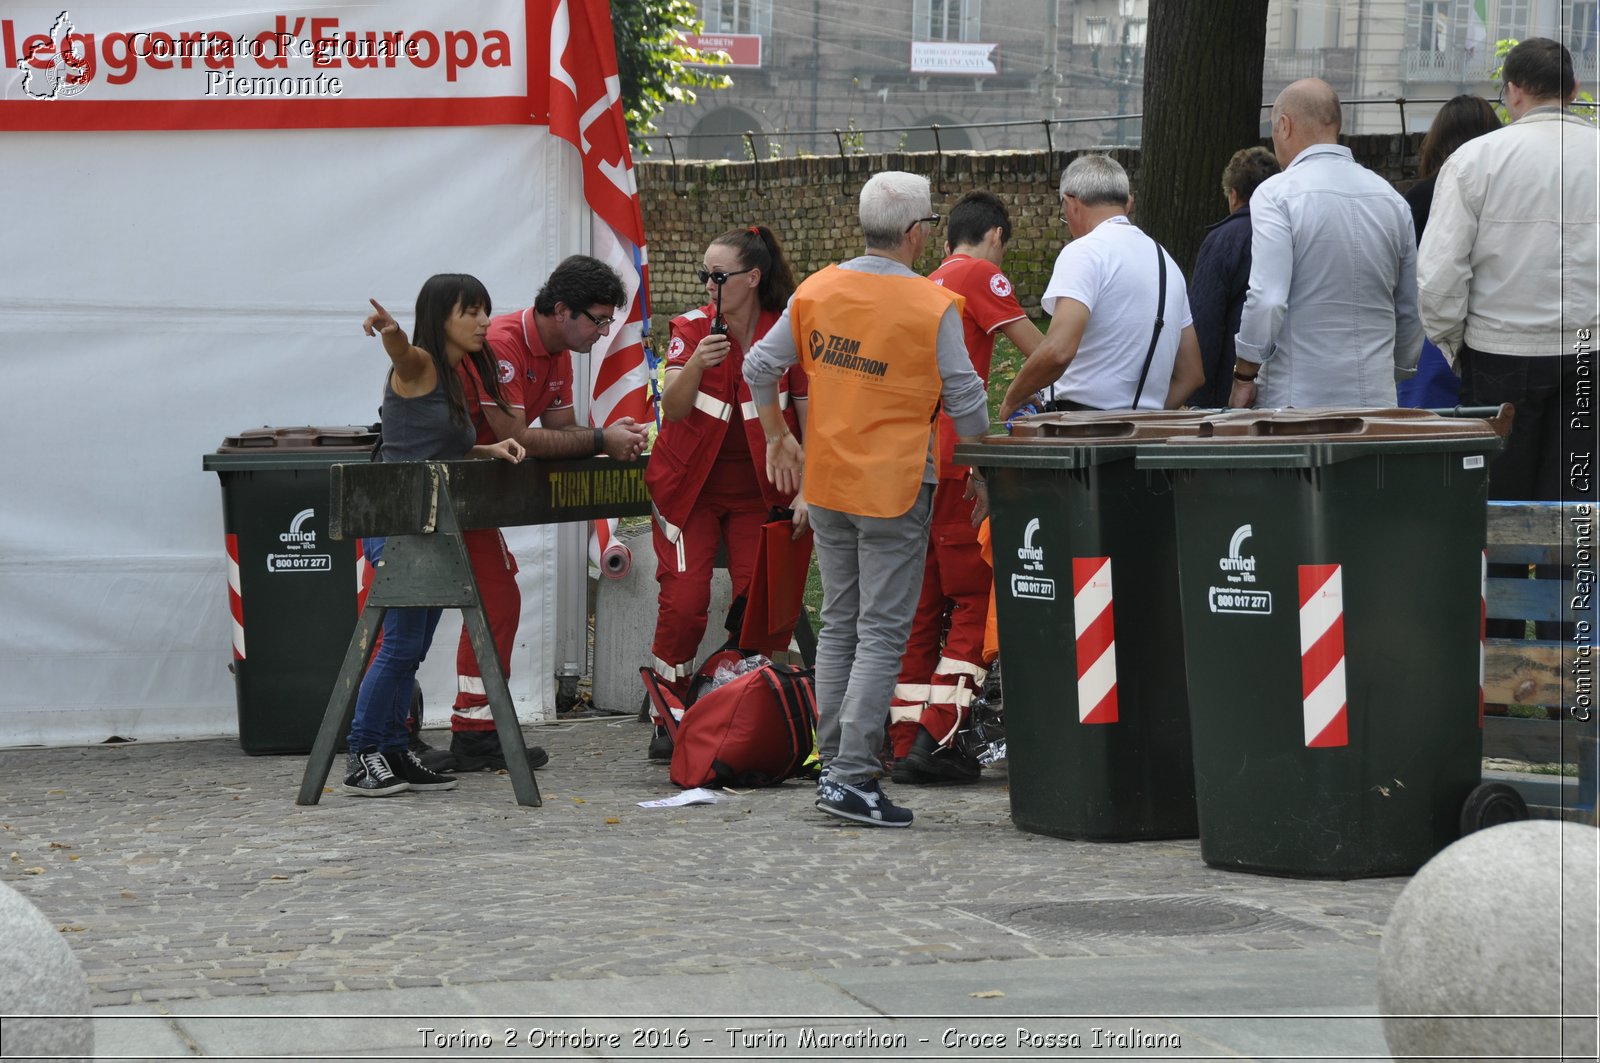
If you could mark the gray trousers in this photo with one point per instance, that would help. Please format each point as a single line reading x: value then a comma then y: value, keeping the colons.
x: 871, y: 571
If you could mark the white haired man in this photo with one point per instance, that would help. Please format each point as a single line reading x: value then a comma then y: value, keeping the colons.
x: 883, y: 349
x: 1121, y: 336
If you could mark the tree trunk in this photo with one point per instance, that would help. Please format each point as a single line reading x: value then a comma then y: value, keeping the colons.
x: 1202, y: 102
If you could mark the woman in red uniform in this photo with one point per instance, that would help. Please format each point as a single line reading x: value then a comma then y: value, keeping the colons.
x: 707, y: 474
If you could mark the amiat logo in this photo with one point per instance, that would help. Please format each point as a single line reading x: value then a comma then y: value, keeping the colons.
x: 1245, y: 567
x: 301, y: 542
x: 1032, y: 557
x: 297, y: 537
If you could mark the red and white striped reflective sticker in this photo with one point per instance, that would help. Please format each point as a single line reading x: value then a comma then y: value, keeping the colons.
x: 1322, y: 656
x: 1097, y: 647
x: 235, y: 599
x: 1483, y: 628
x: 364, y: 575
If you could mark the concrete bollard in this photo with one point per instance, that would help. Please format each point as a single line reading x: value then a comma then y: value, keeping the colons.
x: 40, y: 976
x: 1501, y: 923
x: 625, y: 622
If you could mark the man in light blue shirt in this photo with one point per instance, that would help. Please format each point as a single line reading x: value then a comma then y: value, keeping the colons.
x: 1331, y: 315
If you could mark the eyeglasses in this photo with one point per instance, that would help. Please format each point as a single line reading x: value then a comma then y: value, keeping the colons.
x: 717, y: 275
x: 599, y: 322
x: 932, y: 219
x: 1064, y: 197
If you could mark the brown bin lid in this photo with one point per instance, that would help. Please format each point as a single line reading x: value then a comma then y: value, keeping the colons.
x: 1337, y: 425
x: 334, y: 437
x: 1131, y: 426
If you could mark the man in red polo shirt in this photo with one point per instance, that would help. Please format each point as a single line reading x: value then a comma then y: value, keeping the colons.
x: 937, y: 684
x: 533, y: 351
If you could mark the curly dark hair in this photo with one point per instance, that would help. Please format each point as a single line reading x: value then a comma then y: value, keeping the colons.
x: 579, y: 283
x: 1247, y: 169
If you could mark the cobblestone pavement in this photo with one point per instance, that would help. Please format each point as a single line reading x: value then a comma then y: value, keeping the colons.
x: 185, y: 871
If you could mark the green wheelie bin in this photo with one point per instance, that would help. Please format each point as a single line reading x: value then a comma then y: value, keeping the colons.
x: 1331, y: 572
x: 293, y: 591
x: 1085, y: 570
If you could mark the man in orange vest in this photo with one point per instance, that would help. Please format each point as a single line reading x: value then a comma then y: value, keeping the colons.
x: 944, y: 665
x: 883, y: 350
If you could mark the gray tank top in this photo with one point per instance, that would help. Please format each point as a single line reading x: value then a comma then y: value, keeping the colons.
x: 420, y: 429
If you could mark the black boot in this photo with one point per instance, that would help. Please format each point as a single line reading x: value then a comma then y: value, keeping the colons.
x: 930, y: 764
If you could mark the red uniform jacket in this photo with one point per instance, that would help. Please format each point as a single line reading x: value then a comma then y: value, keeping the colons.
x: 685, y: 450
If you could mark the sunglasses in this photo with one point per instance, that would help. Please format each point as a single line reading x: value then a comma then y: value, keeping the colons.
x: 717, y: 275
x: 599, y: 322
x: 932, y: 219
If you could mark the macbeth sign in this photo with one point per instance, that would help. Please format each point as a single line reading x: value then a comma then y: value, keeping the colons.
x: 953, y: 57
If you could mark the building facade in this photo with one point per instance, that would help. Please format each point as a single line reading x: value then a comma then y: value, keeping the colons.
x: 818, y: 76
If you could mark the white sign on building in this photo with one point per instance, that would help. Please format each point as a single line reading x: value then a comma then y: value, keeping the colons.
x: 953, y: 57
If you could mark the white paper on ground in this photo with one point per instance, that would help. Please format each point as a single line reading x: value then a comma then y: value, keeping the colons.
x: 698, y: 796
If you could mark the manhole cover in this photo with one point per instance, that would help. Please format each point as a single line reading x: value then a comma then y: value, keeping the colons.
x: 1135, y: 917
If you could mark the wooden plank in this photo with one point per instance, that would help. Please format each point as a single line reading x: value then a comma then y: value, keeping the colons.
x: 397, y: 498
x: 1528, y: 599
x: 1530, y: 554
x: 1522, y: 672
x: 1542, y: 523
x: 1535, y: 741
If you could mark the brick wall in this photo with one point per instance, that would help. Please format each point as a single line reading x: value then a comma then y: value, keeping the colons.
x: 810, y: 202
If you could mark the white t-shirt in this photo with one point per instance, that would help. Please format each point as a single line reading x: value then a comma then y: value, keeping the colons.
x: 1112, y: 270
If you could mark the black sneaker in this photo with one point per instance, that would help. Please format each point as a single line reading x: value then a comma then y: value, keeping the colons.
x: 373, y: 777
x: 864, y: 803
x: 660, y: 745
x: 930, y: 764
x: 415, y: 742
x: 480, y: 751
x: 408, y: 766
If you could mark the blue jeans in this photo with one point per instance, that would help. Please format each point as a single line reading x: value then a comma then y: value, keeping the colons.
x: 385, y: 697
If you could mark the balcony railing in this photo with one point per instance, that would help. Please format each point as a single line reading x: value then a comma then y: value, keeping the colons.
x: 1452, y: 65
x: 1292, y: 64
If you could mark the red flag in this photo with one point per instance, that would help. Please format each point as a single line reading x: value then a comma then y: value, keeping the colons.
x: 586, y: 111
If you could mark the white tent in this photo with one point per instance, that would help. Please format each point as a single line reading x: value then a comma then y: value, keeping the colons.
x: 184, y: 263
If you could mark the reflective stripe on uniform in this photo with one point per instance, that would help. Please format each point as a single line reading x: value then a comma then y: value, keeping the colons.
x: 713, y: 405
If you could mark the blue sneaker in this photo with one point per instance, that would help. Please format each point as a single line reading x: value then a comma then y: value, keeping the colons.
x: 863, y: 803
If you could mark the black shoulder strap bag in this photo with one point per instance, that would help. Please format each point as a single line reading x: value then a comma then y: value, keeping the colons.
x: 1161, y: 309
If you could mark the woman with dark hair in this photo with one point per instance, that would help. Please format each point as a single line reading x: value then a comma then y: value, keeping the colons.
x: 707, y: 473
x: 1461, y: 119
x: 425, y: 418
x: 1222, y: 274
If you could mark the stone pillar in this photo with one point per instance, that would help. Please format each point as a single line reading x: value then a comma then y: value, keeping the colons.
x: 40, y: 976
x: 1501, y: 923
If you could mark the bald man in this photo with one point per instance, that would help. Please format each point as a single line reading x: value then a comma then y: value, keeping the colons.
x: 1331, y: 315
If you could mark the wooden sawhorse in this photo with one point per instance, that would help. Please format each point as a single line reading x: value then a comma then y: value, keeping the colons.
x: 422, y: 508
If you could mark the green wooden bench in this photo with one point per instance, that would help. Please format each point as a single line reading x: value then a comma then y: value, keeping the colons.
x: 422, y: 508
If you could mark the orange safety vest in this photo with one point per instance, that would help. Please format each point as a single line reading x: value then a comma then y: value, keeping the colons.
x: 869, y: 346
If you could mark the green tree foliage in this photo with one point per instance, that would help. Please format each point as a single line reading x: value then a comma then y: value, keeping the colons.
x: 654, y: 63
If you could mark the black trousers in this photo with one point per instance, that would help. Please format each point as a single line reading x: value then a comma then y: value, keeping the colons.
x: 1549, y: 433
